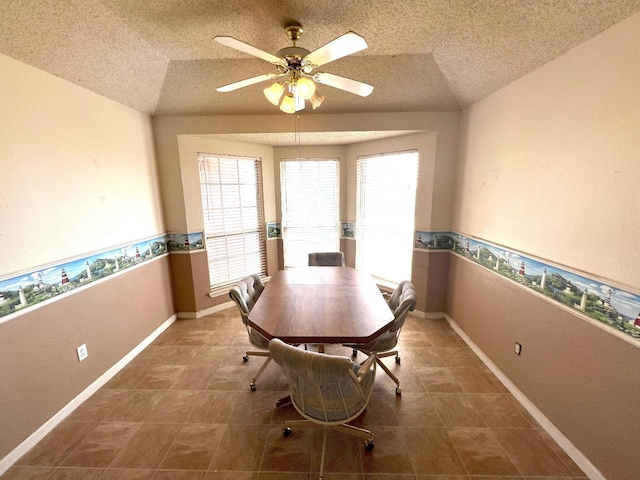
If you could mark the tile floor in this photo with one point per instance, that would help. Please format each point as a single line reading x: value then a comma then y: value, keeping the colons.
x: 183, y: 410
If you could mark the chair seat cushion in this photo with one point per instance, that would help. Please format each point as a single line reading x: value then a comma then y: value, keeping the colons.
x: 385, y: 342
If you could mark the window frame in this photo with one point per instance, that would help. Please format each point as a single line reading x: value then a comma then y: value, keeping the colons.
x: 289, y: 259
x: 254, y: 228
x: 363, y: 229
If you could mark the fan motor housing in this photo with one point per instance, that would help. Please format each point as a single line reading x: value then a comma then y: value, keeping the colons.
x: 293, y: 57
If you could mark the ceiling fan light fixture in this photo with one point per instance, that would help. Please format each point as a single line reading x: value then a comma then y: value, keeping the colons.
x: 306, y: 87
x: 288, y: 104
x: 298, y: 66
x: 316, y: 100
x: 274, y: 93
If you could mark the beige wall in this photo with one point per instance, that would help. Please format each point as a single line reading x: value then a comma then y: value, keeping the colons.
x: 549, y: 165
x: 78, y: 170
x: 78, y: 176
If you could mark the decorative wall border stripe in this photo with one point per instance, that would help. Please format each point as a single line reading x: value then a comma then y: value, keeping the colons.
x: 184, y: 242
x: 616, y: 307
x: 273, y: 230
x: 347, y: 229
x: 19, y: 293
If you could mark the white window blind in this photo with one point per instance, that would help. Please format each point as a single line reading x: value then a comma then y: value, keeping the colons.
x: 233, y: 225
x: 310, y: 192
x: 385, y: 214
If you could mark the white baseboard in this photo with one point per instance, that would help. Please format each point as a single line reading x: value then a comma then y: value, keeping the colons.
x: 56, y: 419
x: 429, y: 315
x: 576, y: 455
x: 207, y: 311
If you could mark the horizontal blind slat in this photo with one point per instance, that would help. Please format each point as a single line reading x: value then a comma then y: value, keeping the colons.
x: 232, y: 209
x: 310, y: 208
x: 385, y: 214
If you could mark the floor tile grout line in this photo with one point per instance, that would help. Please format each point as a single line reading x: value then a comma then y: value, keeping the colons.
x: 411, y: 369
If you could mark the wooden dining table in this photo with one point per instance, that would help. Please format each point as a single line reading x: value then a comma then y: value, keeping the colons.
x: 321, y: 305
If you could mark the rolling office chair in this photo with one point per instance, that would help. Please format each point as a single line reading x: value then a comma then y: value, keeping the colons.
x: 327, y: 390
x: 245, y: 294
x: 384, y: 345
x: 393, y: 299
x: 326, y: 259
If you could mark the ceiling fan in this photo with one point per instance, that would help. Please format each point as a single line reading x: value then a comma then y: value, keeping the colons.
x: 299, y: 66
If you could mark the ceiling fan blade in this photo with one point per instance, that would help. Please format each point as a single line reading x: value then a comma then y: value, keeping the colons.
x: 246, y: 48
x: 245, y: 83
x: 343, y: 83
x: 340, y: 47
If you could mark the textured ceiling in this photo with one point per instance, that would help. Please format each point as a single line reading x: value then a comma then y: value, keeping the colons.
x: 158, y: 56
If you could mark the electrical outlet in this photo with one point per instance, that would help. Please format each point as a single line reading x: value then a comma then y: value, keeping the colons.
x: 517, y: 348
x: 82, y: 352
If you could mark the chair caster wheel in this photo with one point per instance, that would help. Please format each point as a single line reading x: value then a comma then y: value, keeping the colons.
x: 368, y: 445
x: 397, y: 359
x: 286, y: 432
x: 398, y: 391
x: 245, y: 358
x: 252, y: 386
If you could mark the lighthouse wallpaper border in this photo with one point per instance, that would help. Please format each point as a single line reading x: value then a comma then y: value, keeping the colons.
x: 604, y: 302
x: 21, y: 292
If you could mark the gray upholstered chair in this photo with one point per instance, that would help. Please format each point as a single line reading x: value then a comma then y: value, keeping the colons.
x: 393, y: 299
x: 384, y: 345
x: 327, y: 390
x: 245, y: 294
x: 326, y: 259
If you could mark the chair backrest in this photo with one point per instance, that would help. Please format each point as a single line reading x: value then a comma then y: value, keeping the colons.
x: 245, y: 293
x: 326, y: 259
x: 394, y: 299
x: 324, y: 388
x: 406, y: 303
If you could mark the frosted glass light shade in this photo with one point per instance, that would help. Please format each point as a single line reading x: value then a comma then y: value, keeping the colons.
x: 288, y: 104
x: 316, y: 100
x: 273, y: 93
x: 306, y: 87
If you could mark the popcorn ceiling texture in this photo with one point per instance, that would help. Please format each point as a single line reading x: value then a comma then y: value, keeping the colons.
x: 159, y: 57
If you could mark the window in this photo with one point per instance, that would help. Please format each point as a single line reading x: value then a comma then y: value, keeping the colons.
x: 310, y: 208
x: 385, y: 214
x: 233, y: 225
